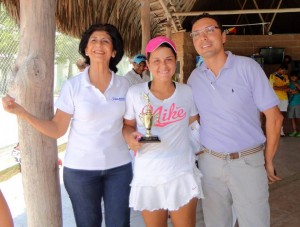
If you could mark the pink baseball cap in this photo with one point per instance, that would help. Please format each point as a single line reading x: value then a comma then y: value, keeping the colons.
x: 154, y: 43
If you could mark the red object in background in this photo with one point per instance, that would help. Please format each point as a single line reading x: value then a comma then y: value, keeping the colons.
x: 231, y: 31
x: 59, y: 162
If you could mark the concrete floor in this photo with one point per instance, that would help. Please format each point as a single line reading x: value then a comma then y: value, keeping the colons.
x: 284, y: 195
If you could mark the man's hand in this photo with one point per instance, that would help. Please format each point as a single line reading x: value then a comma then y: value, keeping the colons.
x: 271, y: 173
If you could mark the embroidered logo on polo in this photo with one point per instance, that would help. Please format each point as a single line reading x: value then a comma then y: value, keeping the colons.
x: 168, y: 115
x: 118, y: 99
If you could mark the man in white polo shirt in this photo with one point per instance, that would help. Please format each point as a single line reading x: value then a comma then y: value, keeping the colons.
x: 135, y: 75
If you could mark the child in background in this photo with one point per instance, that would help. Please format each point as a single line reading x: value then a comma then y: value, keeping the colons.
x: 294, y: 103
x: 280, y: 82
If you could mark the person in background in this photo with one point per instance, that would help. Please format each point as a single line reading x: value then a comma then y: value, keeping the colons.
x: 165, y: 174
x: 280, y: 83
x: 237, y: 160
x: 294, y: 103
x: 5, y: 215
x: 97, y: 164
x: 81, y: 65
x: 135, y: 75
x: 287, y: 60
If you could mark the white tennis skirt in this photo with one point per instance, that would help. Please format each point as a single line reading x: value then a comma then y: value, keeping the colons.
x: 169, y: 196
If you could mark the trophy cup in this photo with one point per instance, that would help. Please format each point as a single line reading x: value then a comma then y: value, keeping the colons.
x: 148, y: 119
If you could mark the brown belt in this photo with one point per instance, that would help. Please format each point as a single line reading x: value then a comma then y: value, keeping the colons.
x: 231, y: 156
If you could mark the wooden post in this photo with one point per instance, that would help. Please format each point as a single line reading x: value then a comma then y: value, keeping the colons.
x: 32, y: 86
x: 168, y: 30
x: 145, y: 23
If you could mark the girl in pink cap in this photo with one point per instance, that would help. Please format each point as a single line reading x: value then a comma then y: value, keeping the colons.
x: 165, y: 176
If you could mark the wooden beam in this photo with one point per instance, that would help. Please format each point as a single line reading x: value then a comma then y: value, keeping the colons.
x: 32, y: 86
x: 168, y: 29
x: 245, y: 11
x: 241, y: 25
x: 157, y: 11
x: 145, y: 23
x: 260, y: 16
x: 168, y: 15
x: 154, y: 3
x: 240, y: 15
x: 273, y: 18
x: 242, y: 6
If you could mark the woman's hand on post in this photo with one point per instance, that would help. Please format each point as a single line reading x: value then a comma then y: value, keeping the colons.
x: 9, y: 105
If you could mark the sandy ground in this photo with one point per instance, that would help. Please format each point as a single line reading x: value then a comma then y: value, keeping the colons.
x: 13, y: 192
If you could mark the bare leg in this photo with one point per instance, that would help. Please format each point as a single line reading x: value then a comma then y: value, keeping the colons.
x: 5, y: 215
x: 282, y: 133
x: 157, y: 218
x: 294, y: 124
x: 297, y: 123
x: 186, y: 215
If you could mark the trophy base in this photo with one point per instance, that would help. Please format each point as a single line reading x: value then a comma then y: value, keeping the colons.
x: 149, y: 139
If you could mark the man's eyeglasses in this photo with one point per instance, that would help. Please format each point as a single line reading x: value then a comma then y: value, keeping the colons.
x: 207, y: 31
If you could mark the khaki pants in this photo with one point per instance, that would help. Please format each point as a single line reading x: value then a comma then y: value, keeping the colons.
x: 242, y: 183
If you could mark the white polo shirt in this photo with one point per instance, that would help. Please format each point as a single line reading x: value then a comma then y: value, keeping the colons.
x: 135, y: 78
x: 95, y: 140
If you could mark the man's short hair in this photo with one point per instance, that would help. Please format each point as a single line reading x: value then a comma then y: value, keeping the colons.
x: 81, y: 64
x: 207, y: 15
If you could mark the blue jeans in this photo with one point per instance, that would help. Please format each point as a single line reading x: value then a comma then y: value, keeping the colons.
x: 86, y: 188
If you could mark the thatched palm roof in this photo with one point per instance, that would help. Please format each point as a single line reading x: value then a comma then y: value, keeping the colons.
x: 74, y: 16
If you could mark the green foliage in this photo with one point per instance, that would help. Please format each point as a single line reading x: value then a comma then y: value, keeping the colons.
x: 9, y: 34
x: 66, y: 49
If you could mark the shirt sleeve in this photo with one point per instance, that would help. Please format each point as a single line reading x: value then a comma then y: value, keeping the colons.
x: 129, y: 112
x: 65, y: 101
x: 263, y: 94
x: 194, y: 110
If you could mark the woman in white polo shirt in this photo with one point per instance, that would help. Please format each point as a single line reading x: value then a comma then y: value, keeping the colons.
x: 97, y: 163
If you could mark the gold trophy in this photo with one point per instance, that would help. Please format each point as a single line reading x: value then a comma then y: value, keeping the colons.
x: 148, y: 120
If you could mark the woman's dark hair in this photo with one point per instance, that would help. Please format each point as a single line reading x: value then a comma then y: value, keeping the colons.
x: 165, y: 45
x: 117, y: 42
x: 207, y: 15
